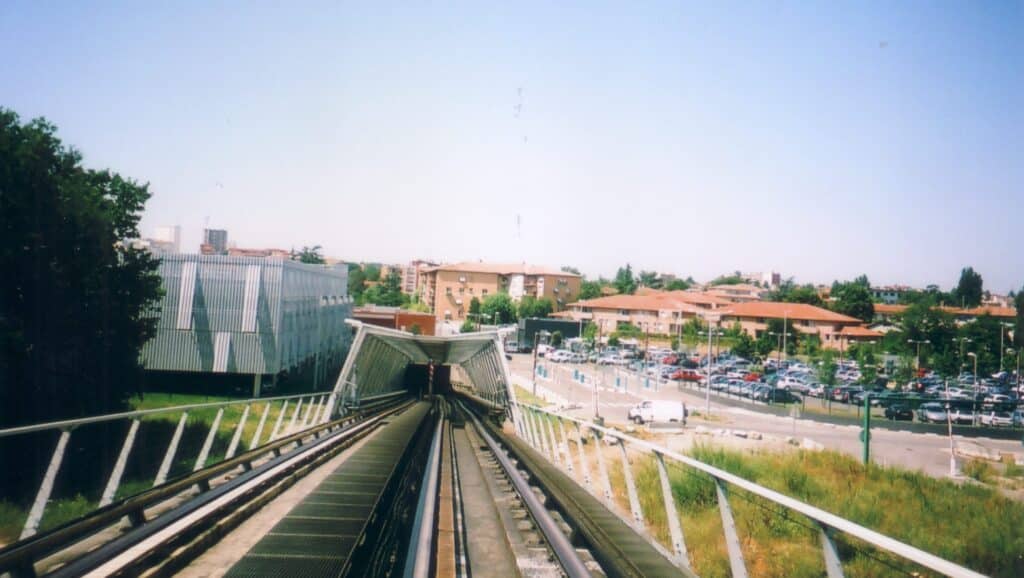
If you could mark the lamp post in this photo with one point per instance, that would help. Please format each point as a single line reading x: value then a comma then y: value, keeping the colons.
x: 918, y: 342
x: 975, y: 356
x: 1002, y: 333
x: 536, y: 336
x: 785, y: 328
x: 961, y: 341
x: 778, y: 341
x: 707, y: 382
x: 1016, y: 376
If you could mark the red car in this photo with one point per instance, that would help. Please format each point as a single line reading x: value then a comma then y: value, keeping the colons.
x: 752, y: 377
x: 687, y: 375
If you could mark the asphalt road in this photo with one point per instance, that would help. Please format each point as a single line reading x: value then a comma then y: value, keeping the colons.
x: 928, y: 452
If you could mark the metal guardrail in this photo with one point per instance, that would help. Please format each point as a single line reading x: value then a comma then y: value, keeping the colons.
x: 20, y: 555
x: 537, y: 427
x: 317, y: 411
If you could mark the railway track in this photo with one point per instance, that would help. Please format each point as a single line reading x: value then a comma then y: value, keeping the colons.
x: 433, y: 489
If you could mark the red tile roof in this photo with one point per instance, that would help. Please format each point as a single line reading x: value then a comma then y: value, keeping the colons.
x: 652, y: 302
x: 500, y: 269
x: 859, y: 331
x: 777, y: 310
x: 885, y: 309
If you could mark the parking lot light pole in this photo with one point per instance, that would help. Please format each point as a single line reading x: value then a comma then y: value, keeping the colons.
x: 975, y: 356
x: 1016, y: 376
x: 949, y: 425
x: 918, y: 342
x: 707, y: 381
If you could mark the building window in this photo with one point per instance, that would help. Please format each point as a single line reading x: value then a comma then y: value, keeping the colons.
x: 447, y: 290
x: 484, y: 292
x: 462, y: 290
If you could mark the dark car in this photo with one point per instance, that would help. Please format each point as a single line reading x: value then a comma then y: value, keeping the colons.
x: 900, y: 412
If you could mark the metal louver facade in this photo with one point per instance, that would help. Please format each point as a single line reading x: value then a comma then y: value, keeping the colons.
x: 248, y: 315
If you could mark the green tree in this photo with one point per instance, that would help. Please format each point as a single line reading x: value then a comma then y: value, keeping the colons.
x: 613, y: 340
x: 474, y: 306
x: 416, y: 304
x: 356, y: 282
x: 499, y: 307
x: 415, y: 329
x: 529, y: 306
x: 650, y: 279
x: 734, y: 279
x: 388, y: 292
x: 792, y: 336
x: 311, y: 255
x: 556, y: 339
x: 468, y: 326
x: 1018, y: 323
x: 969, y: 290
x: 853, y: 299
x: 372, y: 271
x: 76, y: 300
x: 590, y: 332
x: 568, y: 269
x: 589, y: 289
x: 627, y: 330
x: 624, y: 282
x: 827, y: 368
x: 744, y: 346
x: 678, y: 285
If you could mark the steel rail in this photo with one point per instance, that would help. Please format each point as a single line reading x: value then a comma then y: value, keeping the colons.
x: 421, y: 545
x: 905, y: 551
x: 116, y: 557
x: 567, y: 556
x: 28, y: 551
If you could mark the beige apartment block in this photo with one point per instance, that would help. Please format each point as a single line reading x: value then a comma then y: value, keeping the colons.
x: 449, y: 289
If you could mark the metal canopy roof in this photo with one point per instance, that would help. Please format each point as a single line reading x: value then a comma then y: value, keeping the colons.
x: 377, y: 362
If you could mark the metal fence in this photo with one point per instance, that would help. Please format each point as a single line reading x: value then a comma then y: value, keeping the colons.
x: 278, y: 417
x: 546, y: 431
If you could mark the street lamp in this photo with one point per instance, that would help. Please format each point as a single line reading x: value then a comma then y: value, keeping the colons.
x: 918, y: 342
x: 707, y: 383
x: 975, y: 356
x: 961, y: 341
x: 778, y: 346
x: 1016, y: 376
x: 1002, y: 333
x: 536, y: 336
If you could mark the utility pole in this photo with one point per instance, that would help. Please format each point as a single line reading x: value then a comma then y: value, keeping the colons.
x: 785, y: 318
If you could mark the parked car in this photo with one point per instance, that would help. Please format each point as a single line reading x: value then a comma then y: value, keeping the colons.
x: 931, y: 412
x: 899, y: 412
x: 660, y: 410
x: 687, y: 375
x: 560, y: 356
x: 997, y: 418
x: 962, y: 416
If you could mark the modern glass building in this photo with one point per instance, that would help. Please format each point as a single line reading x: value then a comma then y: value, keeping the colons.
x: 254, y: 316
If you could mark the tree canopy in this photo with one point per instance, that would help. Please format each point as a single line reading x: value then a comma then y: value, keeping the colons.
x: 530, y: 306
x: 77, y: 297
x: 853, y: 299
x: 388, y: 292
x: 624, y: 282
x: 499, y: 307
x: 969, y: 290
x: 312, y: 255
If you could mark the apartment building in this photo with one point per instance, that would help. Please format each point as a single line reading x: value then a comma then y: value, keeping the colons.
x: 829, y: 326
x: 411, y: 275
x: 660, y: 312
x: 739, y: 293
x: 449, y: 289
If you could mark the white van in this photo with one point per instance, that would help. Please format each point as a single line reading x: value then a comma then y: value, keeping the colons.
x: 648, y: 411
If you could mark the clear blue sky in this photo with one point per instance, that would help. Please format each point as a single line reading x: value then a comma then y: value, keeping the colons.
x: 818, y: 140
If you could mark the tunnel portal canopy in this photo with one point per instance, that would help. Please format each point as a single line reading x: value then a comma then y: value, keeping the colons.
x: 379, y: 357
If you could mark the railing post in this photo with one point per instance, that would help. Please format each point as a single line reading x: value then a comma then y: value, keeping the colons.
x: 634, y: 498
x: 295, y: 415
x: 732, y: 538
x: 556, y: 457
x: 583, y: 457
x: 833, y: 568
x: 204, y: 452
x: 309, y: 411
x: 675, y: 528
x: 565, y: 447
x: 280, y: 418
x: 259, y: 428
x: 35, y: 515
x: 606, y: 483
x: 543, y: 447
x: 172, y: 448
x: 122, y: 459
x: 532, y: 426
x: 238, y: 433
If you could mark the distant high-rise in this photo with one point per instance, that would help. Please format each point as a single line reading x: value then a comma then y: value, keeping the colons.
x: 215, y: 242
x: 169, y: 236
